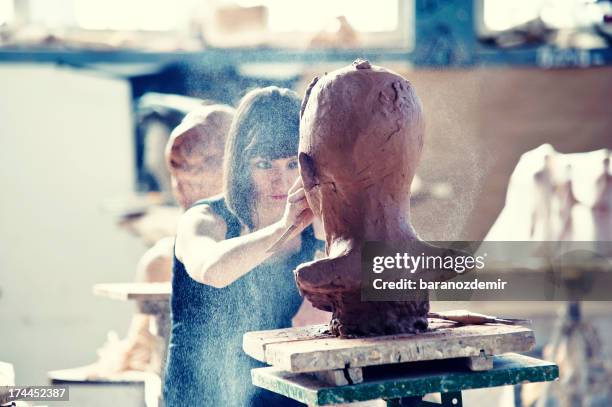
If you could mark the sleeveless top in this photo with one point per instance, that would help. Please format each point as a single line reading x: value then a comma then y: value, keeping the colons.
x: 206, y: 363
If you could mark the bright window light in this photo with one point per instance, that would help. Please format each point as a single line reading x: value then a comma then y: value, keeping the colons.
x: 501, y: 15
x: 7, y: 12
x: 154, y: 15
x: 314, y: 15
x: 50, y: 13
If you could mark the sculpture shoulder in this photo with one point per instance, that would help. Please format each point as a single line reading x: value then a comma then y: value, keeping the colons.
x: 156, y: 264
x: 163, y: 248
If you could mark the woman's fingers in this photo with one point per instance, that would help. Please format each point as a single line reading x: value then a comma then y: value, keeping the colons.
x: 304, y: 219
x: 297, y: 211
x: 297, y: 206
x: 300, y: 204
x: 296, y: 195
x: 296, y: 185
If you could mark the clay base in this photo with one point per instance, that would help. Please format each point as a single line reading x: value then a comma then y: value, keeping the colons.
x: 351, y: 317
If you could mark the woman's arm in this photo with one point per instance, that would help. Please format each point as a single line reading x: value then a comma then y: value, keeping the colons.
x: 211, y: 260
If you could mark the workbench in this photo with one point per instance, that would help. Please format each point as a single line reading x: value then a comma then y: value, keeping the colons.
x: 151, y: 299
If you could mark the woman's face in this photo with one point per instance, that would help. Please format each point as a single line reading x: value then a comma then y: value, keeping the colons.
x: 271, y: 179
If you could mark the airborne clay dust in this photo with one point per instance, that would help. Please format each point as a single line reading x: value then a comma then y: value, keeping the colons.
x: 361, y: 138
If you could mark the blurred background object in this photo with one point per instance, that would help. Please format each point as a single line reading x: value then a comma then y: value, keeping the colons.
x: 555, y: 197
x: 565, y: 23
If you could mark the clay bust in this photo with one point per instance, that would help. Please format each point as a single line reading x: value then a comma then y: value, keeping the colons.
x: 157, y: 133
x: 194, y: 153
x: 361, y: 137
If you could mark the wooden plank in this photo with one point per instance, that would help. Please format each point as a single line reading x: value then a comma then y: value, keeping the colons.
x: 150, y: 381
x: 82, y: 375
x: 134, y: 291
x: 340, y: 377
x: 431, y: 377
x: 443, y: 341
x: 254, y: 343
x: 479, y: 363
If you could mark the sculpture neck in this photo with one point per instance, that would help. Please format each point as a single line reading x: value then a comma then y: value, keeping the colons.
x: 371, y: 219
x: 387, y: 222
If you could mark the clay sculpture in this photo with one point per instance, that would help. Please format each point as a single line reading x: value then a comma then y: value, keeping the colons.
x: 361, y: 138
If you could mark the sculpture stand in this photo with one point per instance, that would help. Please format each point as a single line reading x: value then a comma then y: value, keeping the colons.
x: 314, y: 367
x: 587, y: 359
x: 152, y: 299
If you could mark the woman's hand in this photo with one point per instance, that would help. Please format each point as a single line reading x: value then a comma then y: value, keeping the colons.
x: 297, y: 212
x: 210, y: 259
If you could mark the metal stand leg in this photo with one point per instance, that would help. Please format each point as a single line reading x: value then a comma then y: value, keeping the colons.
x: 405, y: 402
x: 452, y: 399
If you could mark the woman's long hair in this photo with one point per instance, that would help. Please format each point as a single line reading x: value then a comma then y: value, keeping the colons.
x: 266, y: 125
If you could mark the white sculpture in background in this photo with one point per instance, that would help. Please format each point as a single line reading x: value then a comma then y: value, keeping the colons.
x: 557, y: 197
x: 564, y: 198
x: 544, y: 186
x: 602, y: 208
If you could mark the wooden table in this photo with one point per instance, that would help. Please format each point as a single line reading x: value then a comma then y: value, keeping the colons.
x: 151, y: 299
x: 79, y: 379
x: 134, y: 291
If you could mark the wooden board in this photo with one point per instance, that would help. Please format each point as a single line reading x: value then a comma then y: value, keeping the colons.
x: 340, y: 377
x: 82, y: 375
x: 134, y: 291
x: 406, y: 381
x: 7, y: 378
x: 255, y: 343
x: 312, y: 348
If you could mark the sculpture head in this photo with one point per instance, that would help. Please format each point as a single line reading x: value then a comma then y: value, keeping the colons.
x: 194, y: 153
x: 156, y: 135
x: 361, y: 138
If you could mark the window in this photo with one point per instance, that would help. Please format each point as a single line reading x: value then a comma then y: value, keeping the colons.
x: 7, y: 12
x: 499, y: 15
x: 242, y: 23
x: 294, y: 23
x: 147, y: 15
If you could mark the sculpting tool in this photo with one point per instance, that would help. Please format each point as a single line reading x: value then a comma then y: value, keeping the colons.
x: 291, y: 232
x: 473, y: 318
